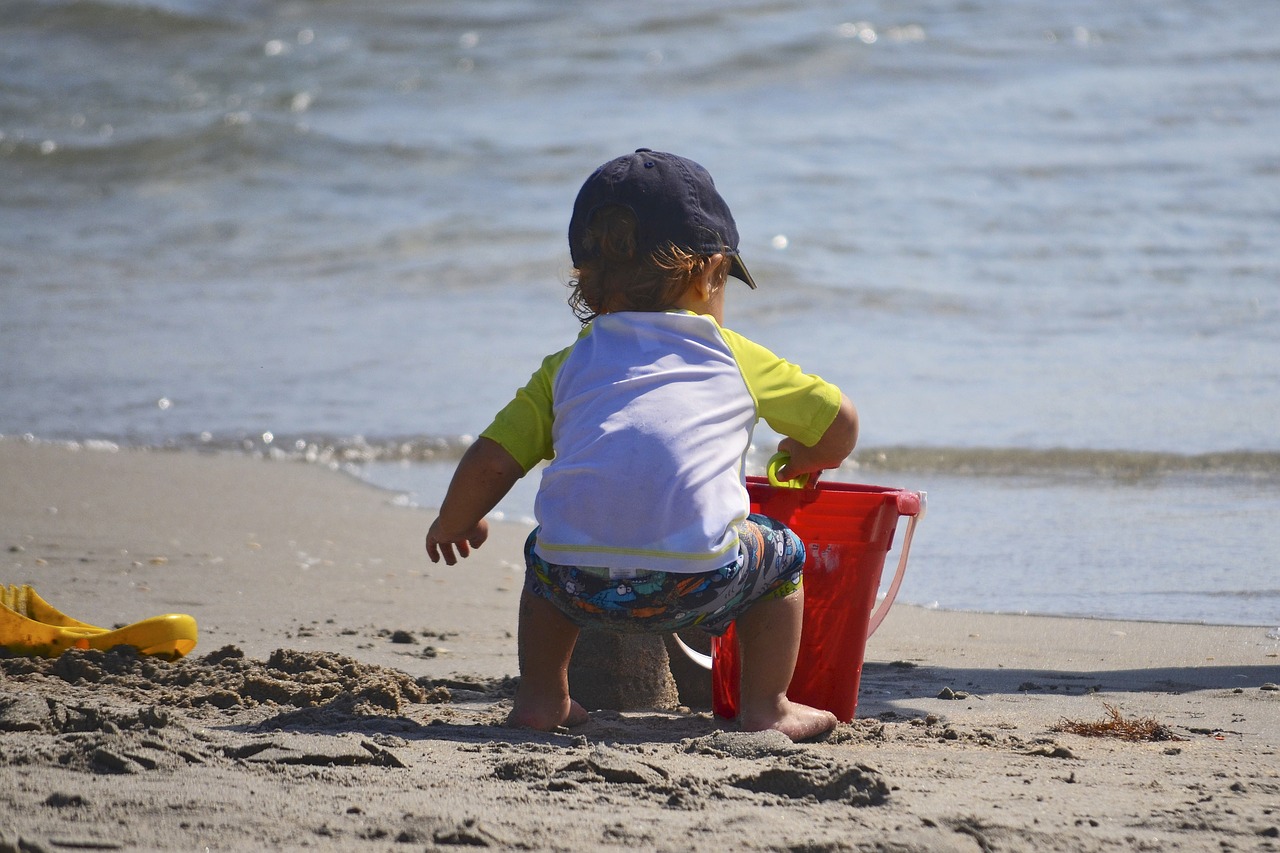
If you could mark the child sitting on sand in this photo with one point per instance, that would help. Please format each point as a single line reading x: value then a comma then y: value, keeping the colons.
x: 642, y: 512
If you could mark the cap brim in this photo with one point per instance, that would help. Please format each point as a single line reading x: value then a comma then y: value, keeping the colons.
x: 738, y: 270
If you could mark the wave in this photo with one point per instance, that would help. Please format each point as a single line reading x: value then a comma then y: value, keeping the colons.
x: 1136, y: 465
x: 103, y: 17
x: 1133, y: 466
x: 214, y: 143
x: 1230, y: 593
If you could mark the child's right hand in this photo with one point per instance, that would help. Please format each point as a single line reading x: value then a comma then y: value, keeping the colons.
x: 441, y: 544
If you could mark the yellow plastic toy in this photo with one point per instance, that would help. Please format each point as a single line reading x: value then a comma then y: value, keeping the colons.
x: 29, y: 625
x: 775, y: 465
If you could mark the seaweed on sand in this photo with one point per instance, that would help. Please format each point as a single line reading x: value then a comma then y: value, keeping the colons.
x: 1116, y: 725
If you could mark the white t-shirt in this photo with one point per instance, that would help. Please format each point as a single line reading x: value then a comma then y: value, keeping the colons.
x: 647, y: 420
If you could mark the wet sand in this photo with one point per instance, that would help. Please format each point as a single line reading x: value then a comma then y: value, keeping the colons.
x: 346, y: 694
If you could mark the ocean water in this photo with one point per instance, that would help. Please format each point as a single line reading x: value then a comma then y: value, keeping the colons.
x: 1034, y: 242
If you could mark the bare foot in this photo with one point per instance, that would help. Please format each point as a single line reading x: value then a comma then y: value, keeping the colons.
x: 531, y: 715
x: 796, y: 721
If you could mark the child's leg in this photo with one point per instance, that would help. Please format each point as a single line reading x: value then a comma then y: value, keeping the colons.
x: 769, y: 641
x: 546, y: 640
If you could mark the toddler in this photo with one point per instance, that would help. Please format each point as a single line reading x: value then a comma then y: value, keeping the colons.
x: 646, y: 419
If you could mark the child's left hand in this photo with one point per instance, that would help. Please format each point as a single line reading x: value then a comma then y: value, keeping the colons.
x: 441, y: 545
x: 830, y: 450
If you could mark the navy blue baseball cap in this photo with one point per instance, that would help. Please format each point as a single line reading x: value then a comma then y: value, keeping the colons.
x: 674, y: 201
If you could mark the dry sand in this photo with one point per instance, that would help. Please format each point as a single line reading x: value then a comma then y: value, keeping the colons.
x: 347, y: 695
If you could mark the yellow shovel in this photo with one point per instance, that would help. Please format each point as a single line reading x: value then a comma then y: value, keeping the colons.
x: 29, y: 625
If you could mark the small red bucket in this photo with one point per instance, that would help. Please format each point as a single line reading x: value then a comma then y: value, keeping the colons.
x: 847, y: 531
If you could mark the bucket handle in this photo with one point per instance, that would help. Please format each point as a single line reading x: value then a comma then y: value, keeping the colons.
x: 705, y: 661
x: 694, y: 655
x: 883, y: 610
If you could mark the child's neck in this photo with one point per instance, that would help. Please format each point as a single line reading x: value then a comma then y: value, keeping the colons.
x: 708, y: 301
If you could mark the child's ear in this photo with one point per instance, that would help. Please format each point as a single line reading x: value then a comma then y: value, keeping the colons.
x: 723, y: 265
x: 712, y: 276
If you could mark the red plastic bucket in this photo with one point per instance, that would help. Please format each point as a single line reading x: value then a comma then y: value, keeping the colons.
x: 847, y: 531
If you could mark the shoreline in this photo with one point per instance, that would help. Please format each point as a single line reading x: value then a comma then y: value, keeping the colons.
x: 300, y: 572
x: 400, y: 498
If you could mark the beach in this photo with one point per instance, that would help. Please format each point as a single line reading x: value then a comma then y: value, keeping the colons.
x: 266, y: 269
x: 346, y: 694
x: 1033, y: 243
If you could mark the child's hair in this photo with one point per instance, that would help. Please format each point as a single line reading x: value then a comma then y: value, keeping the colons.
x: 615, y: 278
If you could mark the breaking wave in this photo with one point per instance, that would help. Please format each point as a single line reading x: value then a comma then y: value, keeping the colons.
x: 1064, y: 463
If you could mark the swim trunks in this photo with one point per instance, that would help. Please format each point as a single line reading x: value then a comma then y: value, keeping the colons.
x: 769, y: 563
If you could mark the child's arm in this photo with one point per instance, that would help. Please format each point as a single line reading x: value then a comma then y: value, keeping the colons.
x: 832, y: 449
x: 484, y: 476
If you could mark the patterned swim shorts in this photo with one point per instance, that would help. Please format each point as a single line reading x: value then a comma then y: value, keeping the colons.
x: 770, y: 558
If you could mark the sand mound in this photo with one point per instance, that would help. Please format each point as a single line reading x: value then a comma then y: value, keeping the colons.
x: 227, y: 679
x: 118, y: 712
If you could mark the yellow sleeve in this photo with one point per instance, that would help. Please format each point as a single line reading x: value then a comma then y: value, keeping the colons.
x: 794, y: 403
x: 523, y: 427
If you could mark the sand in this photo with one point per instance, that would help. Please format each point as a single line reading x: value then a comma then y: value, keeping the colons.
x: 346, y: 694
